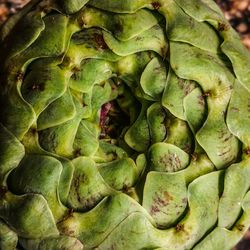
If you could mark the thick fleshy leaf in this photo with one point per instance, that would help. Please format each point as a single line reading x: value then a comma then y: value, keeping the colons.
x: 165, y: 157
x: 92, y: 72
x: 116, y: 118
x: 153, y: 78
x: 43, y: 85
x: 138, y: 135
x: 46, y: 183
x: 210, y: 72
x: 123, y: 26
x: 29, y: 215
x: 236, y: 184
x: 156, y: 119
x: 119, y: 174
x: 179, y: 134
x: 165, y: 197
x: 70, y: 7
x: 92, y: 228
x: 8, y: 238
x: 175, y: 91
x: 179, y: 25
x: 120, y: 6
x: 58, y: 112
x: 11, y: 152
x: 86, y: 141
x: 203, y: 199
x: 60, y: 139
x: 238, y: 117
x: 195, y: 109
x: 53, y: 243
x: 88, y: 186
x: 152, y: 39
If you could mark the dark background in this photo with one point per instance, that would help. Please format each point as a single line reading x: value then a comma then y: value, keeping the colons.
x: 236, y: 11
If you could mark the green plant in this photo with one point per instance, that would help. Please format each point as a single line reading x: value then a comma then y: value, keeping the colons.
x: 124, y: 125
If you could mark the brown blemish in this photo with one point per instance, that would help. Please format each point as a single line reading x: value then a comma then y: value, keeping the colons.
x: 46, y: 10
x: 247, y: 151
x: 118, y: 27
x: 33, y: 131
x: 76, y: 69
x: 77, y: 185
x: 37, y: 87
x: 74, y: 77
x: 184, y: 200
x: 3, y: 191
x: 194, y: 156
x: 207, y: 94
x: 138, y: 38
x: 164, y: 52
x: 20, y: 76
x: 187, y: 148
x: 222, y: 133
x: 159, y: 202
x: 156, y: 5
x: 167, y: 196
x: 154, y: 210
x: 179, y: 227
x: 68, y: 214
x: 170, y: 160
x: 125, y: 188
x: 81, y: 21
x: 77, y: 152
x: 227, y: 138
x: 240, y: 227
x: 100, y: 41
x: 234, y: 109
x: 201, y: 100
x: 222, y: 27
x: 224, y: 153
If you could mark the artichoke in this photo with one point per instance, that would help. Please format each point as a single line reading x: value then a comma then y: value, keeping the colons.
x: 123, y: 125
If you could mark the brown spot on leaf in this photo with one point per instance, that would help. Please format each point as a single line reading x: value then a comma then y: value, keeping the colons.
x: 74, y: 77
x: 170, y: 161
x: 156, y: 5
x: 125, y: 188
x: 247, y: 151
x: 207, y: 94
x: 227, y: 138
x: 118, y: 27
x: 138, y: 38
x: 224, y: 153
x: 3, y: 191
x: 194, y: 156
x: 37, y: 87
x: 20, y: 76
x: 201, y: 100
x: 160, y: 201
x: 240, y: 227
x: 223, y: 27
x: 234, y: 109
x: 76, y: 69
x: 179, y: 227
x: 164, y: 52
x: 68, y: 214
x: 154, y: 210
x: 167, y: 196
x: 100, y: 41
x: 33, y: 131
x: 184, y: 200
x: 77, y: 152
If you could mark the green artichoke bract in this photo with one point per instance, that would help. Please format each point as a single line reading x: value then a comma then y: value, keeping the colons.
x: 123, y: 125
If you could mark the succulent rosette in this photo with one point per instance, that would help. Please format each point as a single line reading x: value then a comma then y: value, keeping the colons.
x: 123, y: 125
